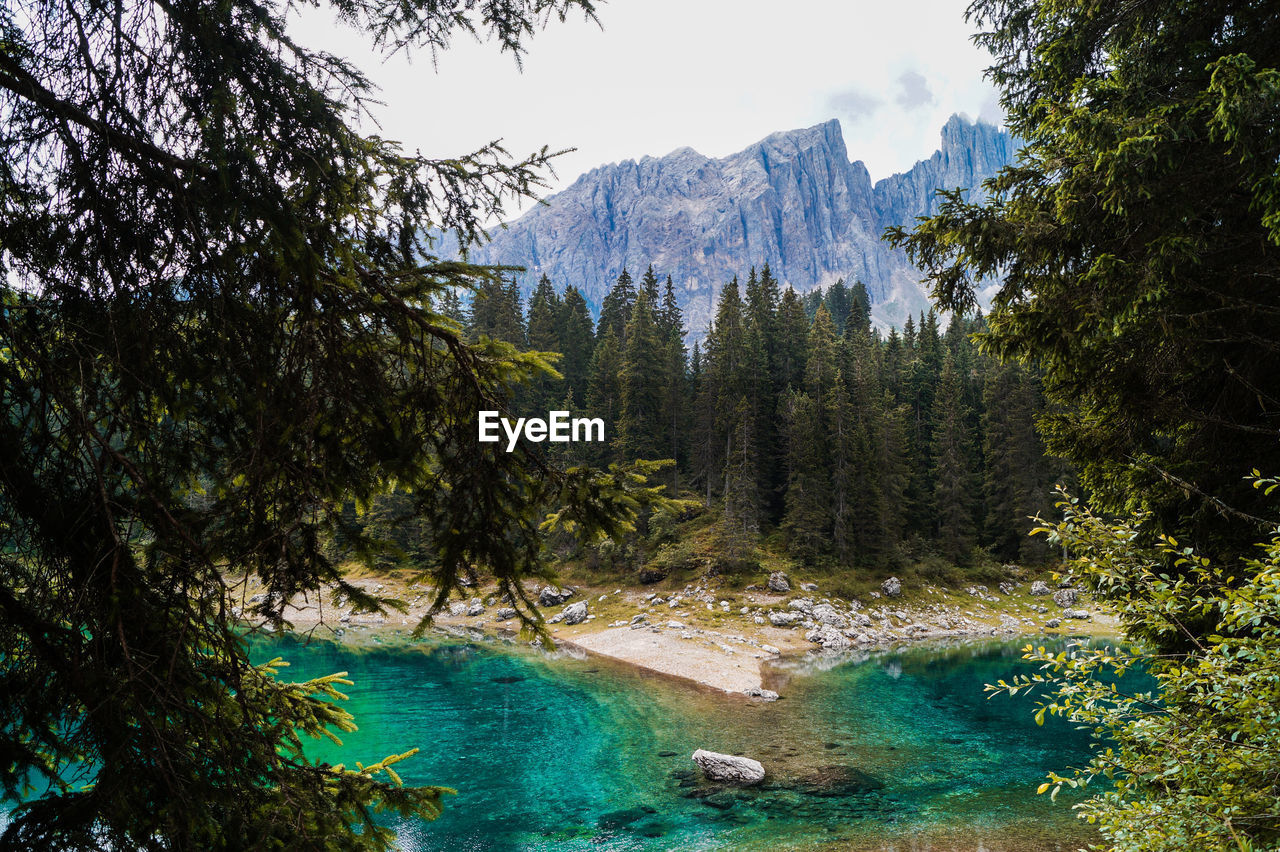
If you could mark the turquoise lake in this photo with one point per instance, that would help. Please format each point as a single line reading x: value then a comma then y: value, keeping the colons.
x: 896, y: 751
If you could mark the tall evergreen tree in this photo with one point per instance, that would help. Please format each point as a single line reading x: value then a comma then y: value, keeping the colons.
x: 640, y: 429
x: 576, y: 333
x: 604, y: 391
x: 649, y: 286
x: 955, y: 486
x: 543, y: 335
x: 793, y: 342
x: 615, y: 308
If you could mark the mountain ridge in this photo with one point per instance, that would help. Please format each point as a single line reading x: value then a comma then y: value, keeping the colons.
x: 793, y: 199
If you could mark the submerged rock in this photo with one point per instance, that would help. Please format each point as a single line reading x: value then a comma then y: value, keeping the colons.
x: 758, y: 692
x: 836, y: 781
x: 728, y: 768
x: 779, y: 582
x: 575, y: 613
x: 891, y: 587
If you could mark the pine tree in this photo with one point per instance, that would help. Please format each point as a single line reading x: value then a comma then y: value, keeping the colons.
x: 793, y: 342
x: 641, y: 425
x: 955, y: 487
x: 217, y: 332
x: 649, y: 286
x: 604, y: 392
x: 496, y: 312
x: 577, y: 343
x: 839, y: 303
x: 677, y: 393
x: 1017, y: 478
x: 615, y: 308
x: 543, y: 334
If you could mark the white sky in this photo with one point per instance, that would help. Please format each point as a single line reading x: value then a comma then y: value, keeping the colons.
x: 715, y: 75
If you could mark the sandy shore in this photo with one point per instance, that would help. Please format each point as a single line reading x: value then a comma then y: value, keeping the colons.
x: 713, y: 637
x: 717, y: 664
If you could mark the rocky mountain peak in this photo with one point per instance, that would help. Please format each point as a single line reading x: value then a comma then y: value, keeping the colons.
x: 792, y: 199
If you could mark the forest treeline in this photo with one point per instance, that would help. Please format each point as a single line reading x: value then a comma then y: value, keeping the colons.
x: 793, y: 417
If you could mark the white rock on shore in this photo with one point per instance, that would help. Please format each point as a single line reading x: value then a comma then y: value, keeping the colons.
x: 575, y: 613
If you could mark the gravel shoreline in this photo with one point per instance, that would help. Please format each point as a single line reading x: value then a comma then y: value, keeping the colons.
x: 712, y: 637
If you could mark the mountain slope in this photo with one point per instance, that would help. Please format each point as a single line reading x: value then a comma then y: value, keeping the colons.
x: 793, y: 199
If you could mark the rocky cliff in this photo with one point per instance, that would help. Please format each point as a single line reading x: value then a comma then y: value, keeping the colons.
x: 793, y: 199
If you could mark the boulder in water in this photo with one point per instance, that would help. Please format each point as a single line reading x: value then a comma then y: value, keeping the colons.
x: 728, y: 768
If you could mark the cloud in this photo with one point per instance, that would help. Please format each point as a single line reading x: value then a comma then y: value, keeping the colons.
x: 913, y: 90
x: 853, y: 104
x: 992, y: 112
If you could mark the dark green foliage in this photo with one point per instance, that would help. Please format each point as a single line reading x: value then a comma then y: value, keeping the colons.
x: 216, y: 333
x: 615, y: 308
x: 496, y: 311
x: 642, y: 385
x: 576, y: 335
x: 1138, y: 245
x: 1187, y: 743
x: 855, y: 447
x: 955, y: 490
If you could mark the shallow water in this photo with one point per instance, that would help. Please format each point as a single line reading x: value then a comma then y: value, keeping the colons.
x: 899, y: 751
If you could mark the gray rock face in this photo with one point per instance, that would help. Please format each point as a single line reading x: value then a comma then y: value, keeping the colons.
x: 778, y: 582
x: 828, y: 637
x: 793, y: 199
x: 891, y: 587
x: 1065, y: 597
x: 551, y: 596
x: 827, y: 614
x: 1040, y: 588
x: 575, y: 613
x: 728, y: 768
x: 1080, y: 614
x: 785, y: 619
x: 505, y: 613
x: 1053, y: 623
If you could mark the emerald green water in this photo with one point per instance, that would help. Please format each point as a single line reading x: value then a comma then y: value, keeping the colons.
x: 899, y: 751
